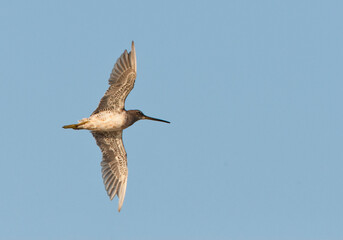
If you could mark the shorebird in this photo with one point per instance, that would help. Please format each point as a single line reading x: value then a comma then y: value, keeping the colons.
x: 108, y: 121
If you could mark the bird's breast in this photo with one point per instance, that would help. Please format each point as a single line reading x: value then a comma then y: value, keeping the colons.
x: 106, y: 121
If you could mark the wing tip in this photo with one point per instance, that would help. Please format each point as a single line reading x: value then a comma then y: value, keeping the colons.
x: 121, y: 194
x: 133, y: 55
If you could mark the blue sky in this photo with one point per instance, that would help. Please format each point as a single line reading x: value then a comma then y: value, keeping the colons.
x: 254, y: 93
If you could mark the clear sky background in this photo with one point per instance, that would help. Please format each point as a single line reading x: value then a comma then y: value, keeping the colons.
x: 254, y: 93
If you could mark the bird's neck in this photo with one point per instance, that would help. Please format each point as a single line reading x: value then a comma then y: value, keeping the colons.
x: 130, y: 119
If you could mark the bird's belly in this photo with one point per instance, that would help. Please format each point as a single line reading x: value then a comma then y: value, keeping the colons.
x: 106, y: 121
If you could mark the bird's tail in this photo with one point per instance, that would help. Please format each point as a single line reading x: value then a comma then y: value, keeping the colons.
x: 75, y: 126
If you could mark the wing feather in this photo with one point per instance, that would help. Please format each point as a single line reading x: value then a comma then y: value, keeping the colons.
x: 114, y: 163
x: 122, y: 80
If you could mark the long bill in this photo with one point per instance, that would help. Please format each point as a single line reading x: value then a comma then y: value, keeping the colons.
x: 155, y: 119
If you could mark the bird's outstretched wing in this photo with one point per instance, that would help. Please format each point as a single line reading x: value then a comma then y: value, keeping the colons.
x: 114, y: 163
x: 121, y: 82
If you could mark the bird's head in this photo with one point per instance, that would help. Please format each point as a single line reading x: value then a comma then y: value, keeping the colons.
x: 138, y: 115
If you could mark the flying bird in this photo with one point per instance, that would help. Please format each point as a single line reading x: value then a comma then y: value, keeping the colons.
x: 108, y: 121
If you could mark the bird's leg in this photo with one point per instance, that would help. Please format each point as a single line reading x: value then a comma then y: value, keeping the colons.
x: 75, y: 126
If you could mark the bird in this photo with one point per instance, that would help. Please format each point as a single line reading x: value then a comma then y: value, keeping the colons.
x: 109, y: 120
